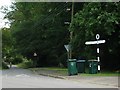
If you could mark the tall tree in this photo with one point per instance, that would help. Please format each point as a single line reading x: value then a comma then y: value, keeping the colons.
x: 102, y: 18
x: 7, y: 44
x: 39, y: 27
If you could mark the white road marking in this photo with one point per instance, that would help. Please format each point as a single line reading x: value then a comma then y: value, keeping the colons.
x: 22, y: 75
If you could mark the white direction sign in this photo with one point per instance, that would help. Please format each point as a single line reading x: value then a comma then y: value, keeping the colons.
x: 67, y: 47
x: 95, y: 42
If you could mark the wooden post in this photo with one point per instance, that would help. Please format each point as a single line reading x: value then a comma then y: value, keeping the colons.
x: 71, y: 32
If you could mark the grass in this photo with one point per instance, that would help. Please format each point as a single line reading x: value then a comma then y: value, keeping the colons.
x: 101, y: 73
x: 25, y: 65
x: 64, y: 71
x: 21, y: 65
x: 54, y: 70
x: 51, y: 68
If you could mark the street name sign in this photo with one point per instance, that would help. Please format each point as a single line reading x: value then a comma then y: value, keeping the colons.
x: 95, y: 42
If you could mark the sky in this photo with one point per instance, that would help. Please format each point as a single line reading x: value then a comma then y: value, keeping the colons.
x: 2, y: 21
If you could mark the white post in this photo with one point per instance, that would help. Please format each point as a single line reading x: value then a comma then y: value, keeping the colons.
x: 98, y: 58
x: 98, y: 51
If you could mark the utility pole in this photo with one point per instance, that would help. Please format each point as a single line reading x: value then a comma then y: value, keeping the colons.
x: 71, y: 32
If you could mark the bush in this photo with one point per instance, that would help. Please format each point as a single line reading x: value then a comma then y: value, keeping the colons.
x: 4, y: 65
x: 17, y: 60
x: 26, y: 64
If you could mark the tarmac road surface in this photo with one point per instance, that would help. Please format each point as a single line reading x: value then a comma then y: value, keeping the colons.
x: 24, y: 78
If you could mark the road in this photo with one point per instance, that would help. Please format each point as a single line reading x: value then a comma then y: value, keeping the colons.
x: 24, y: 78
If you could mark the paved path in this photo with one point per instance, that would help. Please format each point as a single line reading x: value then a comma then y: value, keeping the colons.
x: 23, y: 78
x: 100, y: 80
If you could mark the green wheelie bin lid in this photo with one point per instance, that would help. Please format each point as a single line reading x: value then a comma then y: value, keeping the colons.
x: 80, y: 60
x: 72, y: 60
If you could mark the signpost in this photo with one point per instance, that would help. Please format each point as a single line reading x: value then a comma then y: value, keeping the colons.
x: 98, y: 50
x: 68, y: 47
x: 35, y: 57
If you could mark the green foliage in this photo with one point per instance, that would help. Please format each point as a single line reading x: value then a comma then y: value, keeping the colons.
x: 17, y: 59
x: 4, y: 65
x: 7, y: 41
x: 102, y: 18
x: 39, y: 27
x: 26, y: 64
x: 8, y: 50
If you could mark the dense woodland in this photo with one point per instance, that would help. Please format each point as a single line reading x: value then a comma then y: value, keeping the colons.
x: 40, y: 28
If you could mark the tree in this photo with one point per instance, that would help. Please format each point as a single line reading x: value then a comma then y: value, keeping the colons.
x: 39, y: 27
x: 7, y: 45
x: 102, y: 18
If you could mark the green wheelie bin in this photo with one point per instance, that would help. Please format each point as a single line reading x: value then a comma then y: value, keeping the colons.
x: 81, y: 66
x: 93, y: 66
x: 72, y: 69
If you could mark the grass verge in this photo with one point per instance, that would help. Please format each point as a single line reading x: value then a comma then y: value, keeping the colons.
x: 64, y: 71
x: 51, y: 70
